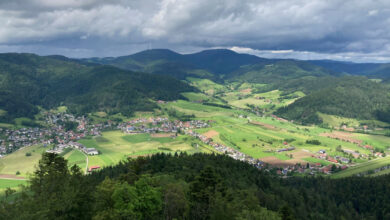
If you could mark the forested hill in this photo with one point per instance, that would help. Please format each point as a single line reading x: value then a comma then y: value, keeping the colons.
x: 195, y: 186
x: 208, y: 64
x: 28, y: 81
x: 352, y: 97
x: 227, y: 64
x: 373, y: 70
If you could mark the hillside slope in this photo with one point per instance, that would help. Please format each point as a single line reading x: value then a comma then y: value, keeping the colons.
x: 351, y: 97
x: 28, y: 81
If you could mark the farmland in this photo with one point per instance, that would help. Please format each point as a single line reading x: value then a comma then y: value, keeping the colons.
x: 247, y: 126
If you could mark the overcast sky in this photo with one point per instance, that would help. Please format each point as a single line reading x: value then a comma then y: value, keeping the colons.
x: 353, y: 30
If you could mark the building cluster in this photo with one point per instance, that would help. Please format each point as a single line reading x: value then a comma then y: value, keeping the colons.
x: 310, y: 169
x: 54, y: 132
x: 61, y: 147
x: 159, y: 125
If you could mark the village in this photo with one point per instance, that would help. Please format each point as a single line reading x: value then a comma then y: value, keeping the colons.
x: 54, y: 133
x: 57, y: 138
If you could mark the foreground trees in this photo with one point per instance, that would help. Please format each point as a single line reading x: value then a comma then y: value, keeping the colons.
x: 191, y: 187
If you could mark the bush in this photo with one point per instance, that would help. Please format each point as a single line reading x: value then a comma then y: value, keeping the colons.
x: 313, y: 142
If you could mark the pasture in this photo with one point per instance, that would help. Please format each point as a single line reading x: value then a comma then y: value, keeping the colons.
x: 116, y: 146
x: 18, y: 161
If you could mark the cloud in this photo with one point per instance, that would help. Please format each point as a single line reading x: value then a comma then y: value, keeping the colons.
x: 285, y: 26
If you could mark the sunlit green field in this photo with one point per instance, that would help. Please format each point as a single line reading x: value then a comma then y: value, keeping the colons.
x: 116, y: 146
x: 262, y: 141
x: 11, y: 183
x: 18, y: 161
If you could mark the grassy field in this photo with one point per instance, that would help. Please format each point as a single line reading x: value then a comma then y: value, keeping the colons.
x: 337, y: 121
x: 205, y: 85
x: 261, y: 140
x: 18, y: 161
x: 76, y: 157
x: 12, y: 183
x: 116, y: 146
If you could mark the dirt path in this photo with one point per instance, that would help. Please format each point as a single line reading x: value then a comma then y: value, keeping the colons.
x: 86, y: 167
x: 11, y: 177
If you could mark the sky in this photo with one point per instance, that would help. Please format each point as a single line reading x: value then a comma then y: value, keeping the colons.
x: 349, y: 30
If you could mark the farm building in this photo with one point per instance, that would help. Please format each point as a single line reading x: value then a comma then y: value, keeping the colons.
x: 90, y: 151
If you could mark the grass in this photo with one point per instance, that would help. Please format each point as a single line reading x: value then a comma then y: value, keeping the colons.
x: 76, y: 157
x: 206, y: 85
x: 12, y: 183
x: 119, y: 146
x: 337, y: 121
x: 316, y: 160
x: 18, y: 161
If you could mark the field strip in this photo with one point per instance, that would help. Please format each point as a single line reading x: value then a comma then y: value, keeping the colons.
x: 11, y: 177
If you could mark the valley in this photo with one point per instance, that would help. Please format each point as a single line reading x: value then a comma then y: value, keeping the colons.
x: 237, y: 117
x: 275, y: 120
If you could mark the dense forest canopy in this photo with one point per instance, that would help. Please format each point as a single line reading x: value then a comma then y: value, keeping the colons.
x: 196, y: 186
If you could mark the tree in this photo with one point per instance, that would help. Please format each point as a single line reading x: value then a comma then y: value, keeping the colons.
x: 141, y: 201
x: 176, y: 203
x: 203, y: 191
x: 286, y: 213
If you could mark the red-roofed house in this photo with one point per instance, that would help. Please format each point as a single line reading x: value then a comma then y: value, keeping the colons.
x: 91, y: 168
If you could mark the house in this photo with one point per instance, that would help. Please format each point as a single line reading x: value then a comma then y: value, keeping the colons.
x: 322, y: 151
x: 344, y: 160
x: 91, y: 151
x: 92, y: 168
x: 331, y: 159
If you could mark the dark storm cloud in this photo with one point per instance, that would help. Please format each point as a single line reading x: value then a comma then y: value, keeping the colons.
x: 344, y: 29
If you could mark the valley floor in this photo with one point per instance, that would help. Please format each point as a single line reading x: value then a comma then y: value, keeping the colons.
x: 235, y: 123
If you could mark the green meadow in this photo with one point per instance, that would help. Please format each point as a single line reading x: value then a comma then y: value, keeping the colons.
x: 115, y: 146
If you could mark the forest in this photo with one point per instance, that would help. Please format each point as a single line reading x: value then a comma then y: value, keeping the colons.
x: 28, y: 81
x: 199, y: 186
